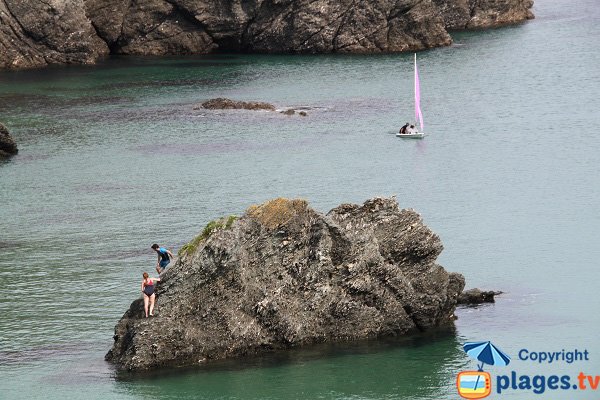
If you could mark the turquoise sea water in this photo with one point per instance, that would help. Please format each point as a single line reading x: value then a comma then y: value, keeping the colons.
x: 114, y: 158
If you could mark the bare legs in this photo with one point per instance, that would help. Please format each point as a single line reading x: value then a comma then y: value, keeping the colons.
x: 151, y: 305
x: 149, y: 300
x: 146, y: 304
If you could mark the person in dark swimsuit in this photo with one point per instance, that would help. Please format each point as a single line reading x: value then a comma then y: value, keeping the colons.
x: 148, y: 287
x: 164, y: 257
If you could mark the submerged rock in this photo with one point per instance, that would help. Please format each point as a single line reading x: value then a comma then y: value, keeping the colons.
x: 477, y: 296
x: 284, y: 275
x: 292, y: 111
x: 221, y: 103
x: 8, y: 147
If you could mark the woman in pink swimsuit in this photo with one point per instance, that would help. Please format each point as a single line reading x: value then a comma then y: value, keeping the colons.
x: 148, y: 286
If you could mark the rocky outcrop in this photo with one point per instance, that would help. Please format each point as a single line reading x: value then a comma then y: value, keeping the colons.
x: 478, y: 14
x: 477, y: 296
x: 284, y: 275
x: 268, y: 26
x: 150, y: 27
x: 36, y: 33
x: 221, y: 103
x: 39, y: 33
x: 8, y: 147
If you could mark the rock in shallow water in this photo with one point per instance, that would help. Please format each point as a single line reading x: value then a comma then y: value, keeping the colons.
x: 8, y: 147
x: 477, y: 296
x: 284, y: 275
x: 221, y: 103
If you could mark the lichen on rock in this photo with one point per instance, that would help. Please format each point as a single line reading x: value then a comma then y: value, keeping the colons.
x: 278, y: 212
x: 283, y: 275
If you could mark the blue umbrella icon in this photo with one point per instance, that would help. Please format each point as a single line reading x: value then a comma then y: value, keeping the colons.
x: 487, y: 353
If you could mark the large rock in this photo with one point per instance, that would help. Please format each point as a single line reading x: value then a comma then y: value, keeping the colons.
x: 284, y: 275
x: 8, y: 147
x: 38, y: 33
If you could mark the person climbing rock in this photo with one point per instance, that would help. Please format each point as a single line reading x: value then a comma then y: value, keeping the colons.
x: 164, y: 257
x: 148, y: 288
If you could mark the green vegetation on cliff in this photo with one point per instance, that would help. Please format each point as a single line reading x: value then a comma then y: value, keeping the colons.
x: 209, y: 229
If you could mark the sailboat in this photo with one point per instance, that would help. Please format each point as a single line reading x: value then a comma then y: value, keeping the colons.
x: 412, y: 132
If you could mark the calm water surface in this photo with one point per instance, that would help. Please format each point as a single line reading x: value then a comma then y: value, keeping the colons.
x: 114, y: 157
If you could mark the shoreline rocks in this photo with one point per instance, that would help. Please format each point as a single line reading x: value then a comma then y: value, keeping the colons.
x: 8, y: 146
x: 37, y: 34
x: 282, y: 276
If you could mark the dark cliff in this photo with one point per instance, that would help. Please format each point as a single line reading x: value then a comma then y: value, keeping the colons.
x: 270, y: 26
x: 478, y: 14
x: 284, y: 275
x: 34, y: 34
x: 39, y: 33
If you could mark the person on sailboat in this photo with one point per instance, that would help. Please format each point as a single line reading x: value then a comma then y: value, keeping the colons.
x: 403, y: 129
x: 411, y: 129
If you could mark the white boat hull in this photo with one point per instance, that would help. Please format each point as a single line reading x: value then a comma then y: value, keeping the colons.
x: 414, y: 135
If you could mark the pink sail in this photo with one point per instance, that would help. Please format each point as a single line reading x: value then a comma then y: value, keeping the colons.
x: 418, y: 113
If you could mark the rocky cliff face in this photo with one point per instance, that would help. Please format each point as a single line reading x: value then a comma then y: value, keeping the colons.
x: 38, y: 33
x: 269, y: 26
x: 34, y: 34
x: 284, y: 275
x: 478, y: 14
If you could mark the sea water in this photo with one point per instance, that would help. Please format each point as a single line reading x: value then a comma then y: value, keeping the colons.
x: 113, y: 158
